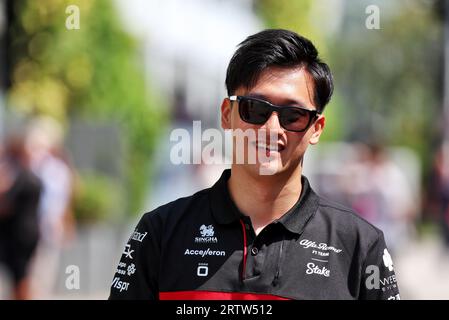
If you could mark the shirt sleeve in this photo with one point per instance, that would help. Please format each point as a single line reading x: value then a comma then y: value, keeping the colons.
x: 378, y: 277
x: 136, y: 276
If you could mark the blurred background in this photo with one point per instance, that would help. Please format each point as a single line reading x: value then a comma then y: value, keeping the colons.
x: 86, y: 113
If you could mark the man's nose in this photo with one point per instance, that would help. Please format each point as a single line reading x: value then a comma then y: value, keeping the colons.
x: 273, y: 121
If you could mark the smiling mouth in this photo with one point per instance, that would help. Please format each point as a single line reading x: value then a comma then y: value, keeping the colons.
x: 269, y: 148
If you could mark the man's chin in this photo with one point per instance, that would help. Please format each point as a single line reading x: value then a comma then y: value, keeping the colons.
x: 269, y: 168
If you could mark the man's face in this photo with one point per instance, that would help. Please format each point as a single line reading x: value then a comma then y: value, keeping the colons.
x: 283, y: 87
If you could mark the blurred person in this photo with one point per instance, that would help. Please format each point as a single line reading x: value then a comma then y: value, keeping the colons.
x: 20, y: 190
x: 438, y: 197
x: 261, y: 232
x: 378, y: 190
x: 56, y: 223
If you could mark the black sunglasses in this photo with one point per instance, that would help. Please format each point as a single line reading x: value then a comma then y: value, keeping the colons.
x: 258, y: 111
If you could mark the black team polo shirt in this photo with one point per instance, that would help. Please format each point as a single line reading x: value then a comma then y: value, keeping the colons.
x: 202, y: 247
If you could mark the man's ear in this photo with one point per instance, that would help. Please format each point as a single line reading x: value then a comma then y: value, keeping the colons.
x: 317, y: 128
x: 226, y: 114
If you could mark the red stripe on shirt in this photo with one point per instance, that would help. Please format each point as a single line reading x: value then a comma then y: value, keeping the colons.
x: 216, y: 295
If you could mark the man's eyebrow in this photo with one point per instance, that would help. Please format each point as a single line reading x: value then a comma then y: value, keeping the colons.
x: 285, y: 101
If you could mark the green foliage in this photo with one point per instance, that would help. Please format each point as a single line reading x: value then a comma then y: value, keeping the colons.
x: 97, y: 197
x: 298, y: 16
x: 94, y: 72
x: 295, y: 16
x: 391, y: 77
x: 387, y: 80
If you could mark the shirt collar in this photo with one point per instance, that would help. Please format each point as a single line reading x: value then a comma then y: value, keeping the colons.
x: 225, y: 211
x: 223, y: 208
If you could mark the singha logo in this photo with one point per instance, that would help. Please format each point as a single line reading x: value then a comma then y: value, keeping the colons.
x: 207, y: 231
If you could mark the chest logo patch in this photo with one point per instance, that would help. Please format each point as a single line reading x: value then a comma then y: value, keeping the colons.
x: 305, y: 243
x: 315, y: 269
x: 206, y: 234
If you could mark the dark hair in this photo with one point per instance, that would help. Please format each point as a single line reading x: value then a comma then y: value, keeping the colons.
x: 283, y: 48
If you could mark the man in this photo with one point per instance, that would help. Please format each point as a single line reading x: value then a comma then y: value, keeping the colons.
x: 20, y: 194
x: 261, y: 232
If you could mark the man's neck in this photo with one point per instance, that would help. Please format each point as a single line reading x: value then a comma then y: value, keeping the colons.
x: 264, y: 198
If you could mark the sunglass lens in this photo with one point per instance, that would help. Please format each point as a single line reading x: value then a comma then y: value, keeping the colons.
x: 295, y: 119
x: 253, y: 111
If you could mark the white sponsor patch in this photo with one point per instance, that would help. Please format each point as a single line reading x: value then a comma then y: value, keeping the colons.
x: 388, y: 283
x: 314, y: 269
x: 207, y: 235
x: 120, y: 285
x: 203, y: 253
x: 207, y: 231
x: 320, y: 246
x: 137, y: 236
x: 202, y: 270
x: 128, y: 252
x: 131, y: 269
x: 119, y: 270
x: 388, y: 262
